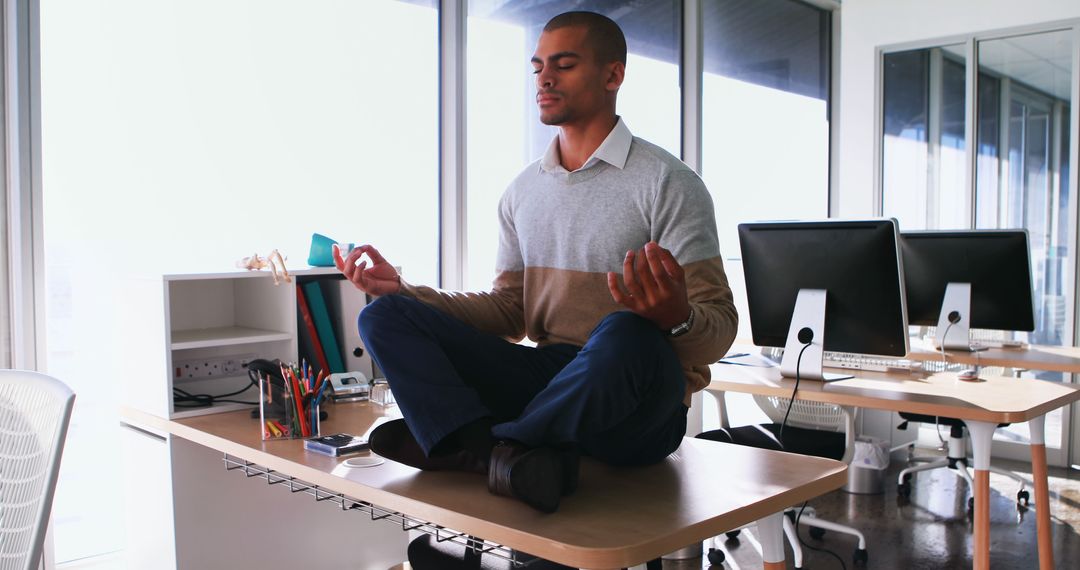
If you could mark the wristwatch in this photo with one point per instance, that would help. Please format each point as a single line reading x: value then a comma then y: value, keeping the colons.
x: 683, y: 327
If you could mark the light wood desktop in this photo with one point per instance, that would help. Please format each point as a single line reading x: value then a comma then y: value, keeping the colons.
x: 617, y: 518
x: 1032, y: 357
x: 982, y: 405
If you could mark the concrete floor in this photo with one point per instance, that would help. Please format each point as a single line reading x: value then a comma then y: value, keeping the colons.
x: 932, y: 530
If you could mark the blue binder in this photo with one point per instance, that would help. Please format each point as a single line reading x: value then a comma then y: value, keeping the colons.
x: 323, y: 325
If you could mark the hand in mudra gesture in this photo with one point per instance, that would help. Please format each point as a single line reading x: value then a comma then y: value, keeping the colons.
x: 379, y: 279
x: 653, y: 286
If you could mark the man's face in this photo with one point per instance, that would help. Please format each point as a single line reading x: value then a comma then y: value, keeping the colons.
x: 570, y: 85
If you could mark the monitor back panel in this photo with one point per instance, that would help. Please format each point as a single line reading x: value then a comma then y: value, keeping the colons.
x: 996, y: 263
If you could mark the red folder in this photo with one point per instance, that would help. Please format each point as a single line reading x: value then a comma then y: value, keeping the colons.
x: 309, y: 324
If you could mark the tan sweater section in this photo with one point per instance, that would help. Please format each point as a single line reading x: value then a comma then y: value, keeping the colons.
x: 560, y: 233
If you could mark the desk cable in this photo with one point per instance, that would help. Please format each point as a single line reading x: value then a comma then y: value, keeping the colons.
x: 184, y: 399
x: 806, y: 336
x: 954, y: 318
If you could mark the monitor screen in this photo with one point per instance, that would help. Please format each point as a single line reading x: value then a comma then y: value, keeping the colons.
x: 856, y: 262
x: 996, y: 264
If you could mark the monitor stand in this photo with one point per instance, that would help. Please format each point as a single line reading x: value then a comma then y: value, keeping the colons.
x: 807, y: 320
x: 955, y: 318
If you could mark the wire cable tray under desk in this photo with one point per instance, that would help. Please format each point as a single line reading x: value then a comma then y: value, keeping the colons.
x: 346, y: 503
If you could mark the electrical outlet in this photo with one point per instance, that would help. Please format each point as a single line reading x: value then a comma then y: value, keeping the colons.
x: 211, y: 367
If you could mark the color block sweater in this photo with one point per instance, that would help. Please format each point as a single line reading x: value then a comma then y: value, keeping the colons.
x: 561, y: 232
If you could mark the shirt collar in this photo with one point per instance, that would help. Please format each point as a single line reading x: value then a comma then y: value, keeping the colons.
x: 614, y: 150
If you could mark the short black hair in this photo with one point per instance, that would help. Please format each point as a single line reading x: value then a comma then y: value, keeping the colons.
x: 604, y: 36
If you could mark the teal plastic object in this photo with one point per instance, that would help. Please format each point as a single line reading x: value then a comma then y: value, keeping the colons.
x: 322, y: 253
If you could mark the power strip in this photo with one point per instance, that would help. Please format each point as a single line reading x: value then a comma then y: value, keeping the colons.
x: 211, y: 367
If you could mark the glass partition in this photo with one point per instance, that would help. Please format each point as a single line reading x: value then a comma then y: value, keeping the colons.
x: 1022, y: 181
x: 1019, y: 175
x: 1022, y: 177
x: 923, y: 147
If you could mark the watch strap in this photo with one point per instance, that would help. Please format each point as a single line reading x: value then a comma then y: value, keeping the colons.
x: 683, y: 327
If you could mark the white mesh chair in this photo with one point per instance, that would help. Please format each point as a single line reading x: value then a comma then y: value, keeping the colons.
x: 34, y: 413
x: 823, y: 430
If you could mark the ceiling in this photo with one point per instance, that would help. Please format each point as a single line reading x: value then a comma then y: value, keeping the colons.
x: 1042, y: 61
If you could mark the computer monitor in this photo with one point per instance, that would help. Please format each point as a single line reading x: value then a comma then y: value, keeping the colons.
x: 962, y: 279
x: 851, y: 267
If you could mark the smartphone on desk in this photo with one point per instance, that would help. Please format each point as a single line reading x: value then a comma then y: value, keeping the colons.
x: 339, y: 444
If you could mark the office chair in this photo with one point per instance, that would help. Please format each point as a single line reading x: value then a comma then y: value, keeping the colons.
x: 955, y: 456
x: 812, y: 429
x: 34, y: 413
x: 428, y: 553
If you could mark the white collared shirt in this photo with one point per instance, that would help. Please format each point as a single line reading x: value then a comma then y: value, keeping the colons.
x: 613, y: 150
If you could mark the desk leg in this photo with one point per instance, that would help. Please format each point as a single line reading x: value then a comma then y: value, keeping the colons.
x: 982, y: 435
x: 771, y: 535
x: 1039, y: 479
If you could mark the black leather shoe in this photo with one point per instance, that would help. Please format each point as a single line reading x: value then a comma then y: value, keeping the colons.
x: 394, y: 441
x: 532, y: 475
x: 571, y: 460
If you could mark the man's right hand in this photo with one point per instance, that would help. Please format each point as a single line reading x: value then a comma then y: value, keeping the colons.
x: 379, y: 279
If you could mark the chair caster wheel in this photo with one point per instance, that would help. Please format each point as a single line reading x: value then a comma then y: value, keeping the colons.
x: 716, y: 556
x: 733, y: 535
x: 817, y: 533
x: 860, y: 557
x: 903, y: 489
x: 1023, y: 497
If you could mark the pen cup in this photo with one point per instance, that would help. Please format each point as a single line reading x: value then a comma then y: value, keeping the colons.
x: 279, y: 415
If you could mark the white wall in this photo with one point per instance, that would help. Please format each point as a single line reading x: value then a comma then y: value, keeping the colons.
x: 867, y: 24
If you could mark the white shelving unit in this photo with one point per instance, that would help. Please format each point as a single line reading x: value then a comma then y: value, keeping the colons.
x: 184, y: 511
x: 243, y: 315
x: 224, y: 336
x: 201, y: 319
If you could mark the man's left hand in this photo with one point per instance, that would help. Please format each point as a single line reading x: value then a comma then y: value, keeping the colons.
x: 655, y: 286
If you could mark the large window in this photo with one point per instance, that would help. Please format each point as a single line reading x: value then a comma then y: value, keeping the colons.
x: 765, y: 131
x: 182, y: 135
x: 504, y: 131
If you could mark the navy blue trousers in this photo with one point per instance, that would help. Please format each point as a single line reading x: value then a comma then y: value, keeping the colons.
x: 619, y: 398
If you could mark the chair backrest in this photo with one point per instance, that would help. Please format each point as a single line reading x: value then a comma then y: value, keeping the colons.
x: 35, y: 410
x: 810, y: 415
